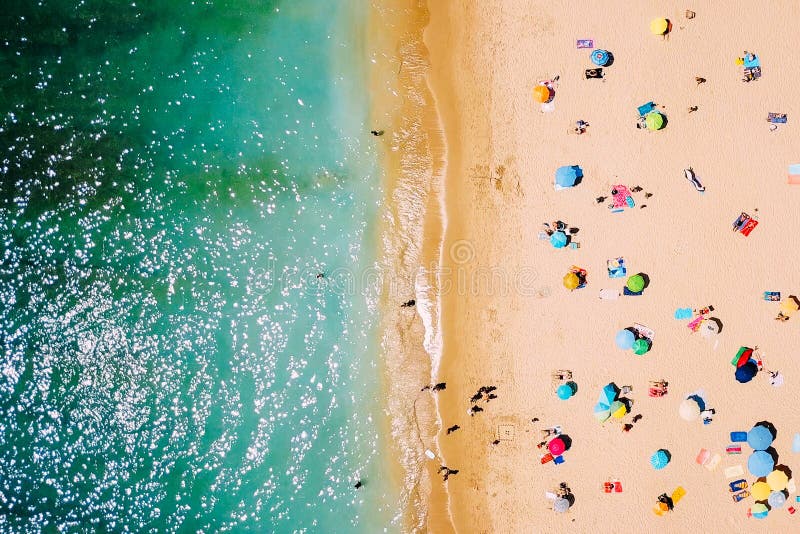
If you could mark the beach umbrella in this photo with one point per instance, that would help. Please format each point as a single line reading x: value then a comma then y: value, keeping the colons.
x: 635, y: 283
x: 566, y: 176
x: 710, y: 327
x: 759, y: 438
x: 659, y: 26
x: 689, y: 410
x: 556, y: 446
x: 760, y: 491
x: 746, y: 372
x: 600, y: 57
x: 564, y: 392
x: 541, y: 93
x: 776, y: 499
x: 654, y: 120
x: 559, y: 239
x: 760, y: 463
x: 609, y: 394
x: 777, y: 480
x: 571, y: 281
x: 660, y: 459
x: 743, y: 356
x: 618, y: 410
x: 790, y: 305
x: 601, y: 412
x: 759, y: 510
x: 640, y: 346
x: 624, y: 339
x: 561, y: 505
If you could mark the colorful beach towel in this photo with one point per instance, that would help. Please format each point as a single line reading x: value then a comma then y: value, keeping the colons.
x: 585, y: 43
x: 621, y: 196
x: 777, y: 118
x: 616, y: 268
x: 794, y: 174
x: 644, y: 109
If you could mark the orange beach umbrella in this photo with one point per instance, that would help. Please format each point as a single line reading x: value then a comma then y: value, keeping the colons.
x: 541, y: 93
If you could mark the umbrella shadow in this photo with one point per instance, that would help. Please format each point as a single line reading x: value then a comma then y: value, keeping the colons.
x: 665, y: 121
x: 667, y: 454
x: 570, y: 498
x: 772, y: 452
x: 573, y: 386
x: 567, y: 441
x: 646, y: 280
x: 785, y: 470
x: 769, y: 426
x: 610, y: 59
x: 699, y: 400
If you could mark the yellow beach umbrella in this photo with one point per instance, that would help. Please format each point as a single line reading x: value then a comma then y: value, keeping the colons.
x: 541, y: 94
x: 571, y: 281
x: 777, y: 480
x: 760, y: 491
x: 659, y: 26
x: 618, y: 410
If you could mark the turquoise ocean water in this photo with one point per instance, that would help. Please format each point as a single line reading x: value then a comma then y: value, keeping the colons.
x: 174, y: 174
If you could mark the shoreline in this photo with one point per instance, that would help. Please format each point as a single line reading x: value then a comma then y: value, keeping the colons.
x: 412, y: 157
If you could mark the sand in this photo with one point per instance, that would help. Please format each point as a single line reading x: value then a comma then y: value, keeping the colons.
x: 508, y: 321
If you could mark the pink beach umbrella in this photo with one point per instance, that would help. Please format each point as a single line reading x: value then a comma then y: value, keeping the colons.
x: 556, y: 447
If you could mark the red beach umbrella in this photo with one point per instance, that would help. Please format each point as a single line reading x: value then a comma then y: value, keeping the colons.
x: 556, y: 446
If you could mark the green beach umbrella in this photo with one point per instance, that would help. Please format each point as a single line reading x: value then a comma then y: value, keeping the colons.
x: 635, y: 283
x: 654, y: 120
x: 640, y: 346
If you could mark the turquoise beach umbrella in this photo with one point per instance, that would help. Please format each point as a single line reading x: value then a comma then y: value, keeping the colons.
x: 660, y: 459
x: 602, y: 411
x: 564, y: 392
x: 559, y: 239
x: 609, y: 394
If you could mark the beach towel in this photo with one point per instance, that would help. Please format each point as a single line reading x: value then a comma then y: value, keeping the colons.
x: 794, y: 174
x: 609, y: 294
x: 683, y: 313
x: 751, y: 61
x: 593, y: 73
x: 734, y: 471
x: 585, y: 43
x: 628, y: 292
x: 777, y: 118
x: 616, y: 268
x: 644, y: 109
x: 740, y: 221
x: 772, y: 296
x: 748, y: 227
x: 694, y: 326
x: 751, y: 74
x: 738, y: 437
x: 621, y: 196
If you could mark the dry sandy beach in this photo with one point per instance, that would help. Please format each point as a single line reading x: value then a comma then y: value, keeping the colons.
x: 493, y: 294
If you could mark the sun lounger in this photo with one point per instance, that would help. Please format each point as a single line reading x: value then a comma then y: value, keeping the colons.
x: 740, y: 221
x: 738, y: 485
x: 644, y: 109
x: 741, y: 495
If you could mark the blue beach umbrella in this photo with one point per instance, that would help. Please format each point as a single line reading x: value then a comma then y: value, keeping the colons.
x: 776, y: 499
x: 568, y: 175
x: 660, y: 459
x: 602, y: 411
x: 600, y: 57
x: 746, y: 372
x: 759, y: 437
x: 624, y: 339
x: 559, y: 239
x: 609, y: 394
x: 564, y: 392
x: 760, y: 464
